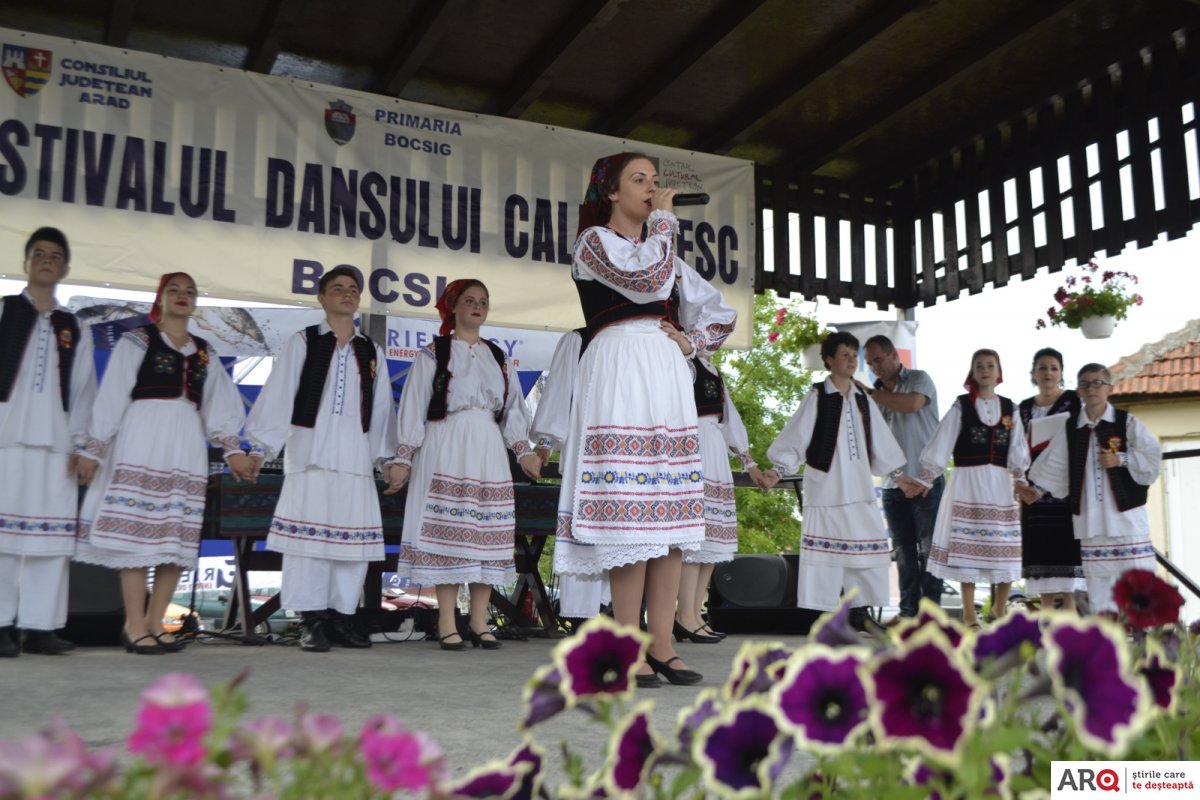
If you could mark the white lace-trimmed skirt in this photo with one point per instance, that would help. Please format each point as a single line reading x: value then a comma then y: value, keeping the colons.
x: 326, y: 514
x: 146, y: 503
x: 720, y: 507
x: 977, y: 536
x: 38, y: 502
x: 633, y: 480
x: 459, y: 516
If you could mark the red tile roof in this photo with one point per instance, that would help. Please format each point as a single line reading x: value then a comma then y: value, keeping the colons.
x: 1165, y: 370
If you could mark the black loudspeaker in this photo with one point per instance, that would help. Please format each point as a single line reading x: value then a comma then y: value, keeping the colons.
x: 757, y: 594
x: 95, y: 614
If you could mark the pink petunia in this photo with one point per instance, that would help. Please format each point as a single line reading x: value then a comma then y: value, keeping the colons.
x: 772, y: 336
x: 409, y: 761
x: 172, y: 722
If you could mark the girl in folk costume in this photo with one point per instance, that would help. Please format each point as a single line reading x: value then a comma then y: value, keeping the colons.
x: 1050, y: 560
x: 632, y: 497
x: 459, y: 410
x: 977, y: 536
x: 164, y: 393
x: 721, y: 434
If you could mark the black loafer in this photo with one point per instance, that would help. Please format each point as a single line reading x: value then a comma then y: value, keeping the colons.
x: 8, y: 647
x: 342, y: 633
x: 650, y: 681
x: 46, y: 643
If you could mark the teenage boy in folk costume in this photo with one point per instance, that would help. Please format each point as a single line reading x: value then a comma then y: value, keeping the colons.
x: 329, y: 400
x: 47, y: 388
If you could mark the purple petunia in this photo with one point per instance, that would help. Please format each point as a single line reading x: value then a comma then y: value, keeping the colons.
x: 532, y: 756
x: 930, y: 614
x: 495, y: 780
x: 821, y: 697
x: 923, y: 695
x: 691, y: 718
x: 1015, y: 639
x: 631, y: 751
x: 600, y: 659
x: 1089, y: 672
x: 1161, y: 676
x: 743, y: 751
x: 833, y: 629
x: 756, y: 668
x: 543, y: 697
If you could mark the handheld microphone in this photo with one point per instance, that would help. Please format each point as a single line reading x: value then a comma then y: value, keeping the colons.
x: 695, y: 199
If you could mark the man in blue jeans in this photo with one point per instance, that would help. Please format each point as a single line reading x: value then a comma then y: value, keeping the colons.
x: 908, y: 400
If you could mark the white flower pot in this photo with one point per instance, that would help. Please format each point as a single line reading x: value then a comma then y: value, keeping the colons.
x: 812, y: 357
x: 1097, y: 327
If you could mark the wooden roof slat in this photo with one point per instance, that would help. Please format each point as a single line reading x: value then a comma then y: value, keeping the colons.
x: 415, y: 45
x: 120, y: 21
x: 265, y: 48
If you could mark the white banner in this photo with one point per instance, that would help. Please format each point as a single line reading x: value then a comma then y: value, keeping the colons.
x: 903, y: 334
x: 257, y: 184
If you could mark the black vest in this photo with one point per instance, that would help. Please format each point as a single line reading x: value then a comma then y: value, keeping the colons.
x: 1113, y: 437
x: 16, y: 326
x: 442, y: 376
x: 167, y: 373
x: 709, y: 391
x: 1068, y: 401
x: 316, y: 369
x: 603, y: 305
x: 978, y: 444
x: 829, y: 420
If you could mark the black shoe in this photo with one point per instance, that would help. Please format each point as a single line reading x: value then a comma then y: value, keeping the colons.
x: 682, y: 633
x: 477, y: 640
x: 313, y: 638
x: 679, y: 677
x: 710, y: 632
x: 46, y: 643
x: 343, y: 633
x: 651, y: 681
x: 152, y: 648
x: 8, y: 646
x: 461, y: 644
x: 174, y: 645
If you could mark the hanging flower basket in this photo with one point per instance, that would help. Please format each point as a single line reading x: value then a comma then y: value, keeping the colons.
x: 811, y: 356
x: 799, y: 333
x: 1098, y: 327
x: 1093, y: 301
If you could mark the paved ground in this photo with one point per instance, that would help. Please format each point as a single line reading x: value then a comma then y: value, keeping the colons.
x: 469, y: 701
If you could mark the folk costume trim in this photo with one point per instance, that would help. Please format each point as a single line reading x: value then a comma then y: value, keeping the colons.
x: 16, y: 326
x: 316, y: 371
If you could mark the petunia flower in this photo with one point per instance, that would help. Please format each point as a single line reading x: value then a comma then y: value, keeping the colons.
x: 821, y: 697
x: 396, y: 758
x: 756, y: 668
x: 36, y: 767
x: 172, y: 722
x: 1161, y: 676
x: 1014, y: 639
x: 1147, y: 600
x: 600, y: 659
x: 262, y: 741
x: 704, y: 707
x: 317, y: 733
x: 919, y: 772
x: 93, y: 768
x: 923, y: 695
x: 833, y: 628
x: 542, y: 696
x: 532, y: 756
x: 742, y: 752
x: 1087, y: 662
x: 930, y: 614
x: 495, y: 780
x: 632, y: 751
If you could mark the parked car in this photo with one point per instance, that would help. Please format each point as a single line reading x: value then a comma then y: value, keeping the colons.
x: 212, y: 603
x: 397, y: 599
x: 173, y: 620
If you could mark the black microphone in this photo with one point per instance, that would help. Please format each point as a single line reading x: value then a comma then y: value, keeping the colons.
x: 696, y: 199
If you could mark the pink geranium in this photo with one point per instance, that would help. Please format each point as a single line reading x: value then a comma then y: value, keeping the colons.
x: 172, y: 722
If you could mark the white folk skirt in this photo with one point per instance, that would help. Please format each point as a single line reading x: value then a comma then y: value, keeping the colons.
x: 720, y: 507
x: 38, y: 503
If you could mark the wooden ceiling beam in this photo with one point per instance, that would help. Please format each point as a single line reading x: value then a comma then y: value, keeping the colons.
x: 120, y: 21
x: 640, y: 102
x: 537, y: 72
x: 754, y: 112
x: 265, y: 47
x: 1011, y: 33
x: 415, y: 44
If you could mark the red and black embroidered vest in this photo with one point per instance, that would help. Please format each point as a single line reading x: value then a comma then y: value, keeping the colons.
x: 316, y: 370
x: 978, y: 444
x: 442, y: 376
x: 1113, y: 437
x: 709, y: 391
x: 16, y: 326
x: 829, y: 421
x: 603, y: 305
x: 167, y: 373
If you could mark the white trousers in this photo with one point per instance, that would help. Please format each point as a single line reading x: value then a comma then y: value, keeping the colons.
x: 1100, y: 591
x: 581, y: 597
x: 33, y: 591
x: 315, y: 584
x: 821, y: 586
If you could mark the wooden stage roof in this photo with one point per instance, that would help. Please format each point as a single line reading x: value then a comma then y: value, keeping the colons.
x: 916, y: 148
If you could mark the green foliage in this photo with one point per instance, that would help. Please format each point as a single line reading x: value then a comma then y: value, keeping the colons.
x: 1093, y: 294
x: 766, y: 383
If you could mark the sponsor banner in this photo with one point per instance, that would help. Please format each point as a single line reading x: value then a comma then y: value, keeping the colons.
x: 903, y: 334
x: 1120, y: 779
x: 257, y: 185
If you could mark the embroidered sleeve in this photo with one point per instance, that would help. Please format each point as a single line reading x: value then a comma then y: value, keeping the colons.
x: 644, y: 269
x: 703, y: 312
x: 521, y: 448
x: 405, y: 454
x: 232, y: 445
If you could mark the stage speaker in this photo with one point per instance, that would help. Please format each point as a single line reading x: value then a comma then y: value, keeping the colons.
x: 95, y: 614
x: 757, y: 594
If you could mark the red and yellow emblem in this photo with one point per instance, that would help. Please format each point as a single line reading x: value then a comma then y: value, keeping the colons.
x: 1114, y: 444
x: 1007, y: 421
x: 65, y: 340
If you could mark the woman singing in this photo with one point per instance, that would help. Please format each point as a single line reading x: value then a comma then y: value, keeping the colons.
x: 459, y: 410
x: 164, y: 393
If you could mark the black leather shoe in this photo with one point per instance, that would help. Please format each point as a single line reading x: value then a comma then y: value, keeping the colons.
x: 461, y: 644
x: 151, y: 648
x: 46, y: 643
x: 679, y: 677
x: 477, y: 640
x: 342, y: 632
x: 651, y: 681
x: 313, y: 638
x: 683, y: 634
x: 8, y: 645
x: 173, y: 645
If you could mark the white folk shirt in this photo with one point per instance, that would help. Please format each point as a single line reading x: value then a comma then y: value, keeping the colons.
x: 849, y: 477
x: 336, y: 441
x: 33, y: 415
x: 1098, y: 513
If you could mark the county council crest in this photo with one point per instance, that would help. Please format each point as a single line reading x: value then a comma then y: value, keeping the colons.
x: 339, y: 121
x: 26, y: 69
